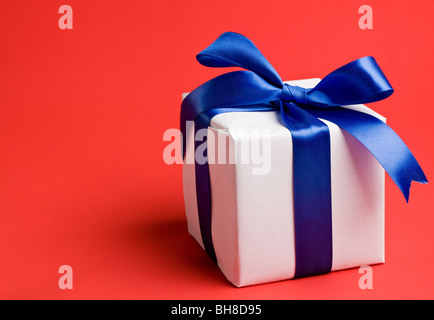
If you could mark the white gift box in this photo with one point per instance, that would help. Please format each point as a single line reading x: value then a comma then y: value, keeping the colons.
x: 252, y: 214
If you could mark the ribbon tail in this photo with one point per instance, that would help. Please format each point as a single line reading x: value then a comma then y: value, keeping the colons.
x: 386, y: 146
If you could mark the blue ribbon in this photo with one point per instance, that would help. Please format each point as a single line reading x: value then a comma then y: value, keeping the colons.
x: 261, y: 89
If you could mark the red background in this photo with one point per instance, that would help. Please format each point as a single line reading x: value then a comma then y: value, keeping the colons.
x: 82, y: 116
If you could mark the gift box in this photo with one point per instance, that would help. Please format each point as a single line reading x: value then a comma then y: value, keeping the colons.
x: 253, y: 214
x: 315, y: 201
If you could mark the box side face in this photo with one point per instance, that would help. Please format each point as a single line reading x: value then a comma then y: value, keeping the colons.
x: 357, y: 203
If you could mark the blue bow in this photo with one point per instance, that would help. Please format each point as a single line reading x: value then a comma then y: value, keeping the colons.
x: 261, y: 89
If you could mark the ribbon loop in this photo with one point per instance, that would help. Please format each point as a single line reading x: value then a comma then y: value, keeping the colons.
x: 235, y: 50
x: 360, y: 81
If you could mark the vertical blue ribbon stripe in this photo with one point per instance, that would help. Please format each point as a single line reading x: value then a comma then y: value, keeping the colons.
x: 260, y: 88
x: 312, y: 191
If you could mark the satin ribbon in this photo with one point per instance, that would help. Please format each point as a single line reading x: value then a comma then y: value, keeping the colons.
x: 260, y: 88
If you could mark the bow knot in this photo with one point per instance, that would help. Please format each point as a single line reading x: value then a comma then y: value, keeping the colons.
x: 294, y: 94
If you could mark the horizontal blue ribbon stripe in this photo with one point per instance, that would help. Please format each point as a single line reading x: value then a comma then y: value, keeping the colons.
x: 260, y: 88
